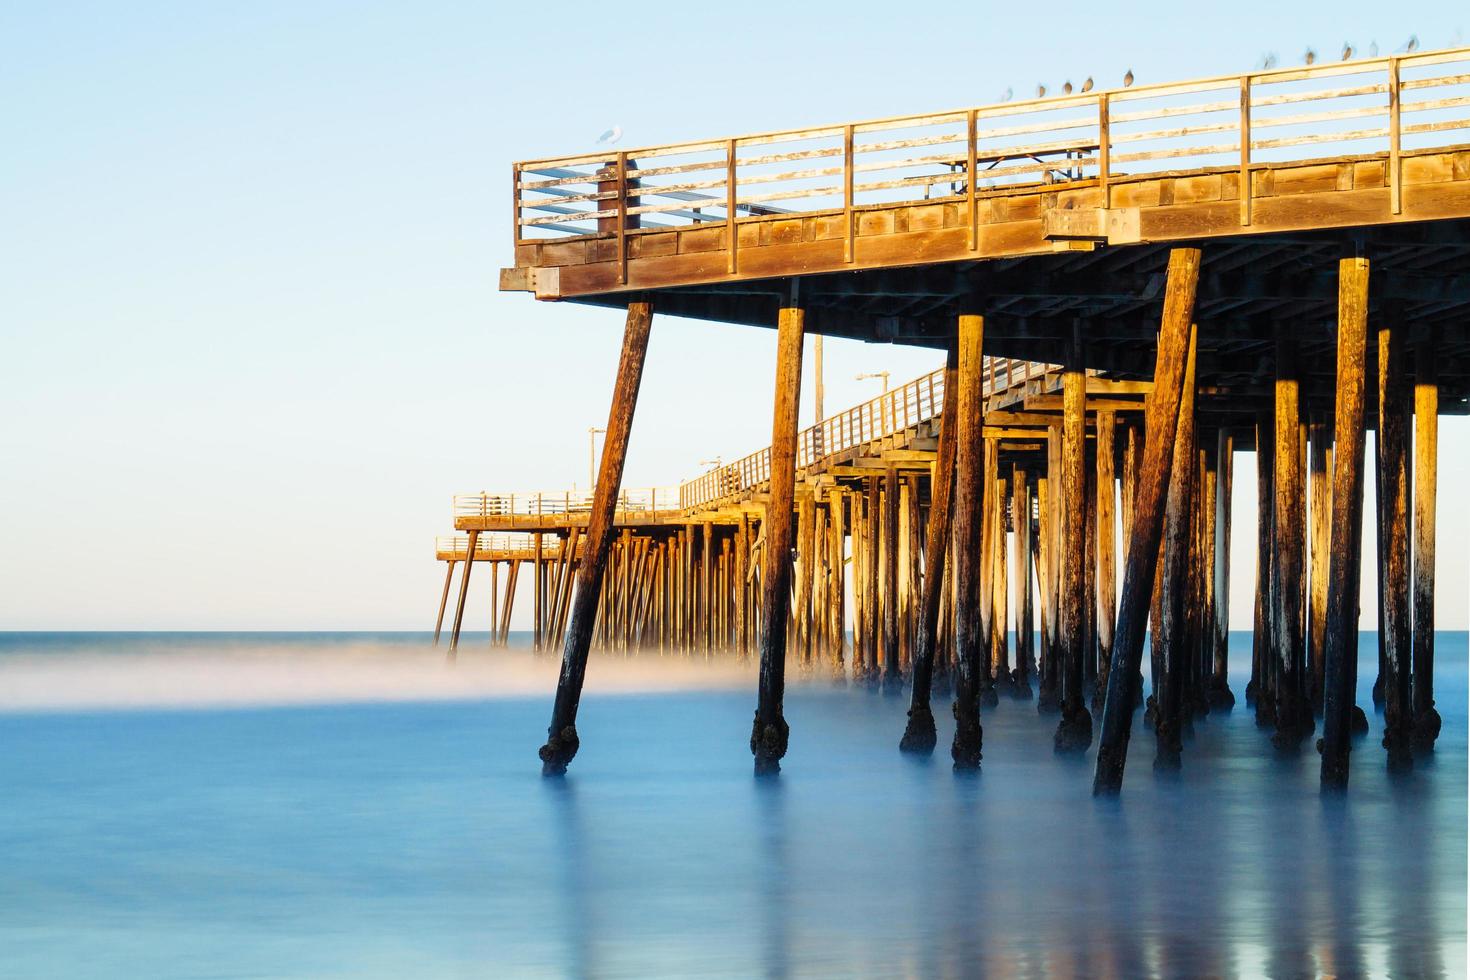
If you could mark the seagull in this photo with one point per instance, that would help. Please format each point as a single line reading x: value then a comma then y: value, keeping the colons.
x: 1413, y: 44
x: 1041, y: 91
x: 1067, y: 87
x: 610, y: 137
x: 1009, y: 93
x: 1373, y: 49
x: 1347, y: 52
x: 1128, y: 78
x: 1087, y: 85
x: 1268, y: 60
x: 1311, y: 56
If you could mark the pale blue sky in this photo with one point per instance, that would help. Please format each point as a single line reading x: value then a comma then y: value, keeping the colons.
x: 251, y: 335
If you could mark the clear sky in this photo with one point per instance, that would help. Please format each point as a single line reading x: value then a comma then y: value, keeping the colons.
x: 252, y: 340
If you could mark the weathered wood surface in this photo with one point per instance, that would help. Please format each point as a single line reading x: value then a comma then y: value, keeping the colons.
x: 1426, y: 475
x: 1074, y: 731
x: 1220, y: 694
x: 1160, y: 421
x: 968, y: 504
x: 562, y: 740
x: 920, y: 734
x: 1396, y: 626
x: 1293, y: 711
x: 769, y: 733
x: 1178, y: 514
x: 1347, y: 521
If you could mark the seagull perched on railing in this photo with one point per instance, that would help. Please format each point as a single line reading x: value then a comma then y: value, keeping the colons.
x: 1128, y: 78
x: 1413, y: 44
x: 1311, y: 56
x: 1347, y: 52
x: 1268, y: 60
x: 1087, y: 85
x: 1372, y: 49
x: 1009, y: 93
x: 1067, y: 87
x: 1041, y: 91
x: 610, y: 137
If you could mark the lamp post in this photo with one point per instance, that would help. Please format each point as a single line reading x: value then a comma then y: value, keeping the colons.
x: 592, y: 432
x: 875, y: 374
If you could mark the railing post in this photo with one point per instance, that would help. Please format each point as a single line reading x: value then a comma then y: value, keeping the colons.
x: 1395, y: 189
x: 515, y: 203
x: 1245, y: 149
x: 732, y: 233
x: 971, y: 165
x: 1104, y: 150
x: 849, y: 247
x: 622, y: 217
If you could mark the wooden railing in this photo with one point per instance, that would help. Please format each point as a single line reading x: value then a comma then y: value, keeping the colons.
x: 458, y: 545
x: 537, y: 503
x: 1382, y: 106
x: 893, y: 411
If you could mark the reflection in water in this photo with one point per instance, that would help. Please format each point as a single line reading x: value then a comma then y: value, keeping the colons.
x: 420, y: 840
x: 775, y: 896
x: 574, y: 877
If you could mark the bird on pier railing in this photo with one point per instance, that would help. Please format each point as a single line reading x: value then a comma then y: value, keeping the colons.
x: 1347, y: 52
x: 1009, y: 93
x: 1311, y: 56
x: 611, y: 136
x: 1087, y: 85
x: 1268, y: 60
x: 1372, y: 49
x: 1413, y: 44
x: 1067, y: 87
x: 1041, y: 91
x: 1128, y: 78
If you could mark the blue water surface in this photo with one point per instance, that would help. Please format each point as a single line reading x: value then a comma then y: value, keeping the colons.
x: 419, y: 840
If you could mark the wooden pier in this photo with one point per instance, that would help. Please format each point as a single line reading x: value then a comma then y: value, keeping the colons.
x: 1132, y: 285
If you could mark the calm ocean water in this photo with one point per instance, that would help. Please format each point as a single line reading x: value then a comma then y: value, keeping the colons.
x: 320, y: 805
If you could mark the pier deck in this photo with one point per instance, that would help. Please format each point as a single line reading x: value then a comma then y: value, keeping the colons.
x: 1206, y: 243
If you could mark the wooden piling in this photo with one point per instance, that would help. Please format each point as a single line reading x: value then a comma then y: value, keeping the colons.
x: 1293, y: 710
x: 562, y: 741
x: 1025, y: 647
x: 967, y: 505
x: 837, y: 621
x: 1000, y: 665
x: 464, y: 593
x: 444, y: 598
x: 1160, y: 418
x: 1396, y: 626
x: 1260, y: 690
x: 1178, y: 513
x: 919, y: 735
x: 1220, y: 694
x: 892, y: 672
x: 1319, y: 490
x: 769, y: 733
x: 1347, y: 521
x: 1426, y: 474
x: 1106, y: 543
x: 1074, y: 732
x: 986, y: 597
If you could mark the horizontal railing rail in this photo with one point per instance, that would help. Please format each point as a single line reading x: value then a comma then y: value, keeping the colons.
x: 1371, y: 106
x: 541, y: 503
x: 458, y: 545
x: 901, y: 408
